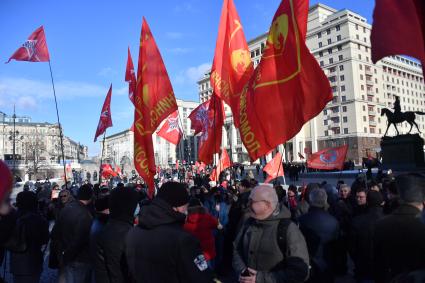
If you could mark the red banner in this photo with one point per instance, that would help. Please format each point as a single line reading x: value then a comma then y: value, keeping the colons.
x: 232, y: 66
x: 398, y: 28
x: 329, y: 158
x: 170, y: 130
x: 287, y: 89
x: 154, y: 101
x: 222, y: 165
x: 274, y: 168
x: 198, y: 117
x: 105, y: 120
x: 130, y: 77
x: 34, y: 49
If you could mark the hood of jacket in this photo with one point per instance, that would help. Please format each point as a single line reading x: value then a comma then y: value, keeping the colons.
x: 158, y: 213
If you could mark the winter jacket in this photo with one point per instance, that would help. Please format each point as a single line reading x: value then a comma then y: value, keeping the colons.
x: 159, y: 250
x: 361, y: 242
x: 256, y: 246
x: 399, y: 244
x: 202, y: 225
x: 36, y: 234
x: 72, y: 232
x: 321, y: 232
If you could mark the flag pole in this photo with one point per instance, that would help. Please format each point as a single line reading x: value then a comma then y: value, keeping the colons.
x: 59, y: 124
x: 101, y: 158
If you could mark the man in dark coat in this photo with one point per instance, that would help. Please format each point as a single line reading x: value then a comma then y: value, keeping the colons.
x: 158, y: 249
x: 399, y: 245
x: 110, y: 260
x: 72, y: 232
x: 321, y: 232
x: 361, y: 237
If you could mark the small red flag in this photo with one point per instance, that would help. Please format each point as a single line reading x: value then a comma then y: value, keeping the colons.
x: 105, y: 120
x: 177, y: 165
x: 130, y: 77
x: 107, y: 171
x: 154, y: 101
x: 198, y: 117
x: 210, y: 138
x: 232, y: 66
x: 328, y: 158
x: 34, y: 49
x: 287, y: 89
x: 274, y: 168
x: 398, y: 28
x: 222, y: 165
x: 170, y: 130
x: 6, y: 180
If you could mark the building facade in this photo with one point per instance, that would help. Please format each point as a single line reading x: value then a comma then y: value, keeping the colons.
x: 340, y: 41
x: 119, y: 147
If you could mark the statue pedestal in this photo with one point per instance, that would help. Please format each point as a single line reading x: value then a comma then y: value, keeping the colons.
x: 402, y: 152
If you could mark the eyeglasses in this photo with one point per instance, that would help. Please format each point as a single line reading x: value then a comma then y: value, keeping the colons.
x: 251, y: 201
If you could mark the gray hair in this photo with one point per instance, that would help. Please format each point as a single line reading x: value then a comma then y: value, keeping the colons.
x: 318, y: 198
x: 267, y: 193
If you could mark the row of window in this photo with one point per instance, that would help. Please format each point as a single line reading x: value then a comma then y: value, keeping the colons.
x: 331, y: 60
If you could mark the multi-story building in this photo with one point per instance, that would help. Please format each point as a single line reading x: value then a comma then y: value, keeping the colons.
x: 119, y: 147
x: 340, y: 41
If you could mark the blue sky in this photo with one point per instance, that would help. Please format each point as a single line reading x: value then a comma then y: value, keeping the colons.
x: 88, y: 42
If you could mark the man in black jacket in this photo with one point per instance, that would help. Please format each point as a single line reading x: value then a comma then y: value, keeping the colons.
x: 399, y: 245
x: 110, y: 261
x: 158, y: 249
x: 72, y: 232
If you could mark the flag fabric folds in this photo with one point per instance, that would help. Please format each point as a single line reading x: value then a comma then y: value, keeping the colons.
x: 274, y: 168
x: 398, y: 28
x: 34, y: 48
x: 232, y: 66
x: 154, y: 101
x: 6, y: 180
x: 212, y: 123
x: 199, y: 117
x: 108, y: 172
x: 105, y: 120
x: 328, y: 158
x: 221, y: 166
x: 170, y: 130
x: 287, y: 89
x: 130, y: 77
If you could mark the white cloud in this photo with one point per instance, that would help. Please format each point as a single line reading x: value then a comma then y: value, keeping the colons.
x: 195, y: 73
x: 174, y: 35
x: 26, y: 102
x: 121, y: 91
x: 124, y: 114
x: 107, y: 72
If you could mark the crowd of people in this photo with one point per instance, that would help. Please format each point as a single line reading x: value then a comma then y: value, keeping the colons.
x: 196, y: 230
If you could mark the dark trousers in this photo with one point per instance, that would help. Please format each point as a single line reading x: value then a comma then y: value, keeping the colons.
x: 78, y: 272
x: 26, y: 278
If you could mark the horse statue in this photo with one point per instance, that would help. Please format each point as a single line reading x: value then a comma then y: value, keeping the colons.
x: 409, y: 117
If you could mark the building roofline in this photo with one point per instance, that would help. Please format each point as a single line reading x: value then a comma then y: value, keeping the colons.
x: 321, y: 5
x: 117, y: 134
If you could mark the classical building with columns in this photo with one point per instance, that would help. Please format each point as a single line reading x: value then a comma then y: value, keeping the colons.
x: 340, y: 41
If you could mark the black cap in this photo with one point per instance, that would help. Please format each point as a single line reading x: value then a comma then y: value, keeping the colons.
x: 174, y: 193
x: 85, y: 192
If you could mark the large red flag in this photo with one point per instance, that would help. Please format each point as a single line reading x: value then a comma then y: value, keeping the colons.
x: 198, y: 117
x: 232, y: 66
x: 210, y: 138
x: 105, y: 120
x: 398, y: 28
x: 222, y: 165
x: 34, y: 49
x: 328, y: 158
x: 6, y: 180
x: 170, y: 130
x: 288, y: 87
x: 154, y: 101
x: 274, y: 168
x: 130, y: 77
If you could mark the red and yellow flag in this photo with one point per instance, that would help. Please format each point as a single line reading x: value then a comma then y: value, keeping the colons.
x: 287, y: 89
x: 130, y: 77
x: 232, y: 66
x: 154, y: 101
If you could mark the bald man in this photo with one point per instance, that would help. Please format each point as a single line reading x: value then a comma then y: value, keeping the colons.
x: 269, y: 247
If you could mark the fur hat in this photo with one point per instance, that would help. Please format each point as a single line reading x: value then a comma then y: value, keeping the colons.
x: 174, y: 193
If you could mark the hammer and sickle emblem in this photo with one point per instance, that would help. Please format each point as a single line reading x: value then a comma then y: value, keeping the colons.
x: 278, y: 33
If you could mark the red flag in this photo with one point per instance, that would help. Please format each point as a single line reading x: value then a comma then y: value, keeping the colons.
x: 328, y: 158
x: 288, y: 87
x: 398, y: 28
x: 171, y: 129
x: 68, y: 167
x: 213, y: 175
x: 222, y: 165
x: 105, y: 120
x: 210, y: 139
x: 177, y: 165
x: 6, y: 180
x: 130, y: 77
x: 107, y: 171
x: 34, y: 49
x: 232, y: 66
x: 154, y: 101
x: 274, y: 168
x: 198, y: 117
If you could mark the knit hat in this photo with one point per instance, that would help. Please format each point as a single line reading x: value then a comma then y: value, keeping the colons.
x: 123, y: 202
x: 374, y: 198
x: 174, y: 193
x: 85, y: 192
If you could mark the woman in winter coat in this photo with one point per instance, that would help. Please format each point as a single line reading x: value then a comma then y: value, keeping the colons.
x: 201, y: 224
